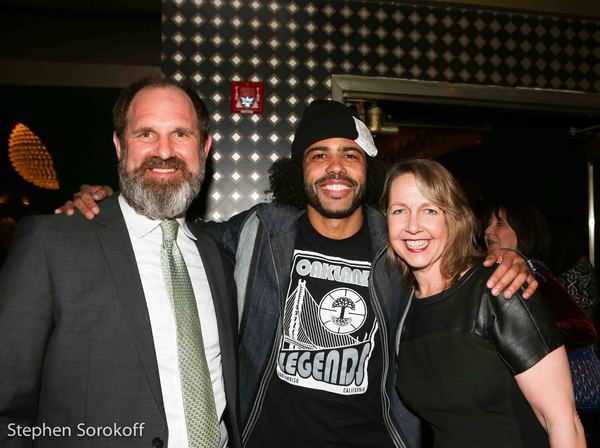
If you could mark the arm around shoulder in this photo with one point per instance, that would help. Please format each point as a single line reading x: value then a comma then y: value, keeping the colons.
x: 86, y: 201
x: 227, y: 233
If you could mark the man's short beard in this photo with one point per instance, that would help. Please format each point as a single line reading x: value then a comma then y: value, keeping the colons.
x: 160, y: 199
x: 313, y: 199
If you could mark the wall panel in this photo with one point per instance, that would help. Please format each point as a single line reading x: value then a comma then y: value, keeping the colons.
x: 294, y: 46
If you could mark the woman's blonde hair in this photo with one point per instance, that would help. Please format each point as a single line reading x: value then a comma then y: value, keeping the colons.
x: 438, y: 185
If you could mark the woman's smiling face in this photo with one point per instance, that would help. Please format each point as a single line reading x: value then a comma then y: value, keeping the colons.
x: 417, y: 227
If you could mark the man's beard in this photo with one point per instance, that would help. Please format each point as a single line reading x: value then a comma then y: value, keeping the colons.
x: 160, y: 199
x: 313, y: 198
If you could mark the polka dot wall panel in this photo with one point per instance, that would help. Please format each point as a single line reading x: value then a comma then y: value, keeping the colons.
x: 294, y: 46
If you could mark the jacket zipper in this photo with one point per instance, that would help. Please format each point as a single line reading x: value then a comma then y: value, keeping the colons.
x: 393, y: 432
x: 264, y: 383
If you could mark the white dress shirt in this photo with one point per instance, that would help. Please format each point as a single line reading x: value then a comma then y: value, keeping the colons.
x: 146, y: 239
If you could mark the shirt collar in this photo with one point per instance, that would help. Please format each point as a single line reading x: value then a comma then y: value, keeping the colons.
x: 141, y: 225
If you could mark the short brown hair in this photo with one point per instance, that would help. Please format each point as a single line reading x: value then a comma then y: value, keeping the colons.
x: 528, y: 222
x: 438, y: 185
x: 121, y: 107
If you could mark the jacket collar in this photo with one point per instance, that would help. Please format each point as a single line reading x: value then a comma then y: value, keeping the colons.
x: 378, y: 230
x: 280, y: 222
x: 278, y: 218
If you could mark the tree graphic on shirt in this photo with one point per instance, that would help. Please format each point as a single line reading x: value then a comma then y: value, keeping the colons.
x: 343, y: 303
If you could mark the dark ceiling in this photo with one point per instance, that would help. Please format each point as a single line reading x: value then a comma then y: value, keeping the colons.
x: 90, y: 32
x: 150, y: 7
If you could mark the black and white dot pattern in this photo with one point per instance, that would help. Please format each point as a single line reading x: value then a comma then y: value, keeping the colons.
x: 294, y: 47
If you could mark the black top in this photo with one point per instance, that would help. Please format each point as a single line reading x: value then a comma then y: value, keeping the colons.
x: 458, y: 355
x: 326, y: 387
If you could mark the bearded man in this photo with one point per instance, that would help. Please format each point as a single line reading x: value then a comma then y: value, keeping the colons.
x: 130, y: 341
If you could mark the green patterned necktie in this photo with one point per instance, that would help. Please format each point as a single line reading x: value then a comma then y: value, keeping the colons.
x: 198, y: 397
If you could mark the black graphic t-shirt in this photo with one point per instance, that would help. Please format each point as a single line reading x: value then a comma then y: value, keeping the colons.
x: 326, y: 390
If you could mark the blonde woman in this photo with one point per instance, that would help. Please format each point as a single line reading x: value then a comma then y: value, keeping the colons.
x: 483, y: 371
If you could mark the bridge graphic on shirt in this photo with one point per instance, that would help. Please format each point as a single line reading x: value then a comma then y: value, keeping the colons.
x: 315, y: 352
x: 302, y: 322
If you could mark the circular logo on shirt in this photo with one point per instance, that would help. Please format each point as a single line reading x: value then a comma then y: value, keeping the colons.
x: 342, y: 311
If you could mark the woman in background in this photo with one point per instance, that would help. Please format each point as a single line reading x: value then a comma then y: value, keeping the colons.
x: 521, y: 227
x: 479, y: 369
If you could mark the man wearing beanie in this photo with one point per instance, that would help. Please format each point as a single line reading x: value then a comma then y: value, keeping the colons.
x: 317, y: 342
x: 319, y: 310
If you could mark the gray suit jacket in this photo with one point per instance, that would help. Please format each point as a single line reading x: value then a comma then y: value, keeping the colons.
x: 76, y: 347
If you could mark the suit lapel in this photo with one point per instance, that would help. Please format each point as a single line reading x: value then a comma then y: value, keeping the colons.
x: 121, y: 262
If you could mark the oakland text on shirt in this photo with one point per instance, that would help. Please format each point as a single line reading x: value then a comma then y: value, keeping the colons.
x: 333, y: 271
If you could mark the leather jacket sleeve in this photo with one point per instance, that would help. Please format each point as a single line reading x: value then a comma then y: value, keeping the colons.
x: 522, y: 330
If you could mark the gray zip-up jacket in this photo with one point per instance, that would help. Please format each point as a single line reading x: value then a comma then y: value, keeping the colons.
x: 262, y: 240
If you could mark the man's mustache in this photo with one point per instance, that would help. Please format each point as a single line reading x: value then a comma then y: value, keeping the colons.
x: 336, y: 177
x: 157, y: 162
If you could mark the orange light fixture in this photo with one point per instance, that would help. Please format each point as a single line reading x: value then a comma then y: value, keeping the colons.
x: 30, y: 158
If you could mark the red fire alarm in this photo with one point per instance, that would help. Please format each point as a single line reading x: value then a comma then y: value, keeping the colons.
x: 247, y: 97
